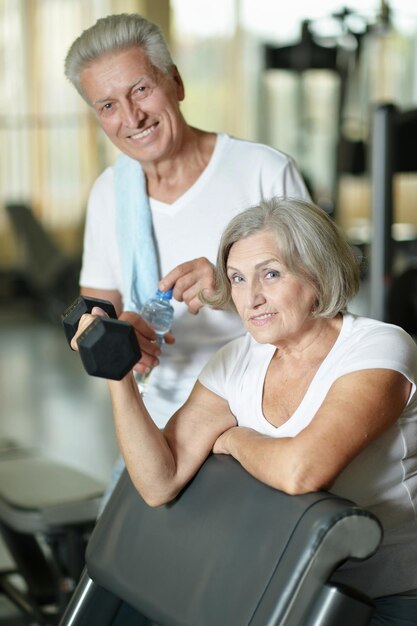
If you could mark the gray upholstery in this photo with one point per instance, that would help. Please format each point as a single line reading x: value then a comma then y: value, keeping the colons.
x: 39, y: 494
x: 47, y: 512
x: 229, y: 551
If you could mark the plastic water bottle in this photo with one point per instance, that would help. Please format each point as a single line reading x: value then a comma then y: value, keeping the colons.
x: 159, y: 313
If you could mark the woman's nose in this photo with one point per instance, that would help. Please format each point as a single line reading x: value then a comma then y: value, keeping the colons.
x: 255, y: 294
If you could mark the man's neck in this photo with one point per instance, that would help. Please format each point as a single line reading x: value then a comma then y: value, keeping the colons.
x: 170, y: 178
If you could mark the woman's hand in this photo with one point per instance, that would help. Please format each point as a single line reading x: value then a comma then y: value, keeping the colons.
x: 145, y: 336
x: 221, y: 444
x: 85, y: 320
x: 230, y: 437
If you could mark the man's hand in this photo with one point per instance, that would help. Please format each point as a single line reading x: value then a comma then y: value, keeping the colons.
x: 146, y: 337
x: 188, y: 279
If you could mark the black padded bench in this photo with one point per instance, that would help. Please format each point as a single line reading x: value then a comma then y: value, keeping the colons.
x: 229, y: 551
x: 47, y: 513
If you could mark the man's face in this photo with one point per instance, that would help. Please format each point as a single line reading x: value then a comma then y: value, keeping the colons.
x: 136, y: 104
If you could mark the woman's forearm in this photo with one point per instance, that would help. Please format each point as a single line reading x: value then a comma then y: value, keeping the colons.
x: 276, y: 462
x: 148, y: 457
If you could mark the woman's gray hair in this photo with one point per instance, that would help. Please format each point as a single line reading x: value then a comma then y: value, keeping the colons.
x: 116, y: 32
x: 309, y: 244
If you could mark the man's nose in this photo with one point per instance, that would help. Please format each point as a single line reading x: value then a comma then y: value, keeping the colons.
x: 132, y: 114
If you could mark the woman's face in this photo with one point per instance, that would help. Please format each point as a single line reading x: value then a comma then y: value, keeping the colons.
x: 274, y: 304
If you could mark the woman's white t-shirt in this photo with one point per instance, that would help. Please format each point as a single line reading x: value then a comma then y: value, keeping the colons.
x: 382, y: 478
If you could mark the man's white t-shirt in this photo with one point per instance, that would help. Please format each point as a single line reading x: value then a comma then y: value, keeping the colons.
x: 382, y: 478
x: 238, y: 175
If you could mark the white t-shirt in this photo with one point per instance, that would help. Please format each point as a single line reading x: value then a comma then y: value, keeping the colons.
x: 238, y: 175
x: 382, y: 478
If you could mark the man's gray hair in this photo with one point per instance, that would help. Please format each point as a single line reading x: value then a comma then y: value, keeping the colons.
x: 112, y: 33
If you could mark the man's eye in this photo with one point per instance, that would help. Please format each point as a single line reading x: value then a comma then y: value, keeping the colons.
x: 107, y: 107
x: 144, y: 90
x: 141, y: 91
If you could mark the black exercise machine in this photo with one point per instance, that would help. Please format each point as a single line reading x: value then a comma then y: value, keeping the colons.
x: 229, y: 551
x: 49, y: 275
x: 47, y: 513
x: 394, y: 135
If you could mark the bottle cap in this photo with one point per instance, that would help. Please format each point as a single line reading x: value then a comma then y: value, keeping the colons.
x: 165, y: 295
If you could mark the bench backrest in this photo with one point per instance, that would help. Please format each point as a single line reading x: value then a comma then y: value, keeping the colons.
x: 229, y: 551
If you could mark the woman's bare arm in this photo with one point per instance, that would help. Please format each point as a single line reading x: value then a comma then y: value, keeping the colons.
x: 160, y: 463
x: 358, y: 408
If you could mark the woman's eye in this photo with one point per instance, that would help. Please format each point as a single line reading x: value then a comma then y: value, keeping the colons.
x: 272, y: 274
x: 236, y: 279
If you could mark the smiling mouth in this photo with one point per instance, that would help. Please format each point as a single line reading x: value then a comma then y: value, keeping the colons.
x: 261, y: 318
x: 144, y: 133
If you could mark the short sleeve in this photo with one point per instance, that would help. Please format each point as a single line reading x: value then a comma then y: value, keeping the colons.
x: 99, y: 253
x: 382, y: 346
x: 293, y: 183
x: 220, y: 374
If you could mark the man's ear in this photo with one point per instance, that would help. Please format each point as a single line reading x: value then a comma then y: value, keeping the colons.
x: 179, y: 83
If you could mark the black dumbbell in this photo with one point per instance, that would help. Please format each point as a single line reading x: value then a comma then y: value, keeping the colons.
x: 108, y: 347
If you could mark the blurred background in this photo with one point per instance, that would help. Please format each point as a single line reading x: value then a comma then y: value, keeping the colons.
x: 300, y: 76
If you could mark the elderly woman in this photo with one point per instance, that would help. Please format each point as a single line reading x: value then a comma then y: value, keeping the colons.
x: 311, y: 398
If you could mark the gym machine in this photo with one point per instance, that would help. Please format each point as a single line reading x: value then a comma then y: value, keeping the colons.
x: 47, y: 513
x: 228, y: 551
x: 393, y: 298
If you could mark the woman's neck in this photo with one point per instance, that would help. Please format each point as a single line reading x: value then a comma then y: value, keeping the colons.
x: 316, y: 342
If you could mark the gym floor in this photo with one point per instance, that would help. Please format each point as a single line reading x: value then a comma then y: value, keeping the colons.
x: 49, y: 403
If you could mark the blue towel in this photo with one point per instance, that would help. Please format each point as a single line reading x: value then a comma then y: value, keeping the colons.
x: 135, y: 235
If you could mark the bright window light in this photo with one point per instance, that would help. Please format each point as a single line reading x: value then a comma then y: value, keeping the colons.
x: 205, y: 18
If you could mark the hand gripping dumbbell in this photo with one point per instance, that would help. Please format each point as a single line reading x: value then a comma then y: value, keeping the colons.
x: 108, y: 347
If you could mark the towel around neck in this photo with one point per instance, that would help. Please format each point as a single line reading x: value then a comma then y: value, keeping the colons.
x: 135, y: 236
